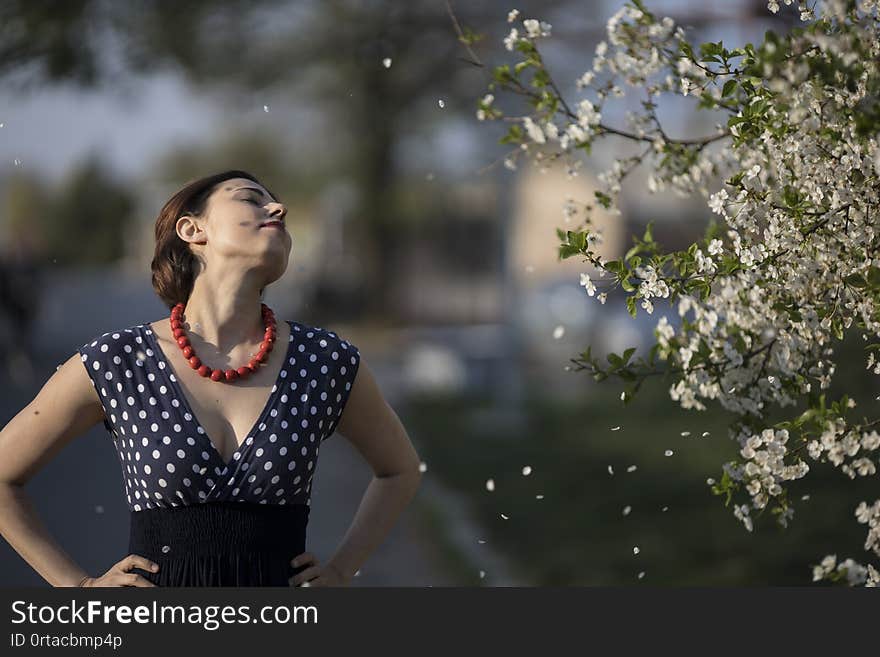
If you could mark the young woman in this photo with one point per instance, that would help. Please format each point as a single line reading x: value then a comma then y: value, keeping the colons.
x: 217, y: 414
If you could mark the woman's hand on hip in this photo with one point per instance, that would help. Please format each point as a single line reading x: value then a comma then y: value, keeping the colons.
x: 316, y: 574
x: 119, y: 574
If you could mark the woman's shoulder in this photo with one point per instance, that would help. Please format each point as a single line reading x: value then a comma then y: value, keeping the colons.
x: 112, y: 342
x: 318, y: 334
x: 323, y: 340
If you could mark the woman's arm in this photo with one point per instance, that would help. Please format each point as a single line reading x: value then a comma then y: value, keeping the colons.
x: 372, y: 426
x: 65, y: 407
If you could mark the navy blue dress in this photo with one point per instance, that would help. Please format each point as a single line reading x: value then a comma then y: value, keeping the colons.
x: 205, y: 521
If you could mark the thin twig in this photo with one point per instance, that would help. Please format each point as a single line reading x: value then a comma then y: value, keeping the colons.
x: 461, y: 37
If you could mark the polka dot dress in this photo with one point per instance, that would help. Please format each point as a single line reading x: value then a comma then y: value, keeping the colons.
x: 168, y: 460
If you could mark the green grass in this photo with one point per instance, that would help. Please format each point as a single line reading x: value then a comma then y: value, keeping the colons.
x: 578, y: 535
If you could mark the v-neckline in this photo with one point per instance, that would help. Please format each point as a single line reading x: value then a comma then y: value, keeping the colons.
x: 175, y: 384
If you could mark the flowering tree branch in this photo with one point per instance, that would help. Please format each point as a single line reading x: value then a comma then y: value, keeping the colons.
x: 791, y: 263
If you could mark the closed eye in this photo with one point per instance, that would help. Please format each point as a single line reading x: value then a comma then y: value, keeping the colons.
x: 250, y: 200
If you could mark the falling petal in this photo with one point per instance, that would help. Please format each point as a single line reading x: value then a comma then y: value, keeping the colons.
x: 441, y: 103
x: 482, y: 574
x: 357, y: 572
x: 626, y: 510
x: 710, y: 481
x: 539, y: 497
x: 615, y: 428
x: 623, y: 396
x: 480, y: 541
x: 668, y: 452
x: 635, y: 550
x: 665, y: 509
x: 685, y: 433
x: 17, y: 162
x: 631, y: 468
x: 490, y: 484
x: 309, y: 584
x: 386, y: 62
x: 423, y: 466
x: 504, y: 516
x: 265, y: 108
x: 99, y: 509
x: 527, y: 470
x: 558, y: 332
x: 805, y: 497
x: 641, y: 574
x: 610, y: 470
x: 705, y: 433
x: 1, y: 125
x: 166, y: 549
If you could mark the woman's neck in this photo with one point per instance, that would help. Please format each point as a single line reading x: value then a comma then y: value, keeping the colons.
x: 225, y: 317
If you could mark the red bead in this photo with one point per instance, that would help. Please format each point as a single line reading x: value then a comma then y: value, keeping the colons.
x: 188, y: 352
x: 195, y: 362
x: 178, y: 333
x: 261, y: 356
x: 216, y: 375
x: 183, y: 341
x: 176, y: 324
x: 243, y: 371
x: 204, y: 370
x: 253, y: 364
x: 266, y: 346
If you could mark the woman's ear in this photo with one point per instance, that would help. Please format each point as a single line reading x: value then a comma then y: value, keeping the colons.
x: 187, y: 228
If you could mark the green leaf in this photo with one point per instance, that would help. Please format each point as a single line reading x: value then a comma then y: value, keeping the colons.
x: 631, y: 306
x: 566, y: 251
x: 855, y: 280
x: 603, y: 199
x: 502, y: 74
x: 710, y: 50
x: 579, y: 239
x: 634, y: 250
x: 728, y: 88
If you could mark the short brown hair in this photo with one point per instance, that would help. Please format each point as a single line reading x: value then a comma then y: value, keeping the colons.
x: 174, y: 265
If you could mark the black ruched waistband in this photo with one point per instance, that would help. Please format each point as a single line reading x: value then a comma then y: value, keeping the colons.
x: 219, y: 528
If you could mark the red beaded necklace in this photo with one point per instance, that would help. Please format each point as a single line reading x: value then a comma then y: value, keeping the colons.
x: 189, y: 353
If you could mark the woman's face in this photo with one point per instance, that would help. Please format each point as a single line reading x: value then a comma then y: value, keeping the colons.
x: 233, y: 228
